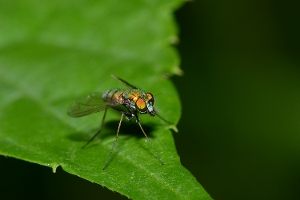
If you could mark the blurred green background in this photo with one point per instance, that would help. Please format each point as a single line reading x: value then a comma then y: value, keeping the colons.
x: 240, y: 132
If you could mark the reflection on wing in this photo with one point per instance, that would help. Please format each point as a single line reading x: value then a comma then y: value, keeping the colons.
x: 91, y: 104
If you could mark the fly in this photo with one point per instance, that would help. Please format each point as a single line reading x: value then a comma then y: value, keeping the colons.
x: 129, y: 102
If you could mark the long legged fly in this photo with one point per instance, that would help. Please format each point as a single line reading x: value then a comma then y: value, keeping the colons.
x: 129, y: 102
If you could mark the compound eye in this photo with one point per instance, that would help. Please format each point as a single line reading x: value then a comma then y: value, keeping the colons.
x: 140, y: 104
x: 150, y: 98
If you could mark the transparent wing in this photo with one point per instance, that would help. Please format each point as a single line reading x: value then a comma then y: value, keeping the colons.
x: 88, y: 105
x: 124, y: 82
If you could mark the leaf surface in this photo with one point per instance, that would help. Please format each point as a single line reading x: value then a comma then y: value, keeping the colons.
x: 53, y: 53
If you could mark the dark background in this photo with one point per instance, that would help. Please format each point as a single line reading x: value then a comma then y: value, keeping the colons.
x: 240, y: 128
x: 239, y: 133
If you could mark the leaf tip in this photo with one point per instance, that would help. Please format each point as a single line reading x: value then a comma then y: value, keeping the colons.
x: 177, y: 71
x: 54, y: 167
x: 173, y: 127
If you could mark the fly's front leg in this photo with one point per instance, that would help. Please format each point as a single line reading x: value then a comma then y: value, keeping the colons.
x: 139, y: 123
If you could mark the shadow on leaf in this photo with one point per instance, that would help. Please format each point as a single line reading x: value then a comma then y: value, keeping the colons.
x: 129, y: 128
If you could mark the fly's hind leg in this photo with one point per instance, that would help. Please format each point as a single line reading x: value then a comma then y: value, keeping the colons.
x: 117, y: 137
x: 100, y: 128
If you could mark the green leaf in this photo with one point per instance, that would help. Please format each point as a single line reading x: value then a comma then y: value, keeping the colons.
x: 53, y: 53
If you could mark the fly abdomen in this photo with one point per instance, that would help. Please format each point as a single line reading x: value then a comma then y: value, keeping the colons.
x: 113, y: 96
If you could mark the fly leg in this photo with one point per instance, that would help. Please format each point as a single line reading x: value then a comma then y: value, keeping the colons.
x: 138, y: 121
x: 112, y: 149
x: 100, y: 129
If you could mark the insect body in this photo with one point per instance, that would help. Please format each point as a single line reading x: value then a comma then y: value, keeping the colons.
x: 135, y: 100
x: 130, y: 103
